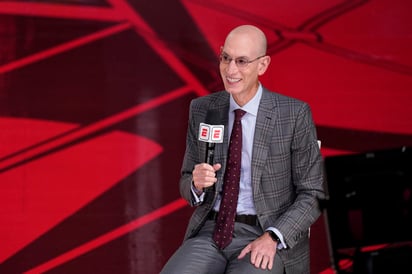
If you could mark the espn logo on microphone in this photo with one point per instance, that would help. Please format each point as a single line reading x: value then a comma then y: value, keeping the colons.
x: 211, y: 133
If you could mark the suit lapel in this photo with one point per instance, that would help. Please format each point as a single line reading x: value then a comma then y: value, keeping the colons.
x: 265, y: 121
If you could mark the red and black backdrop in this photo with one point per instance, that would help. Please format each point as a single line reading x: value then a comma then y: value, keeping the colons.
x: 94, y: 98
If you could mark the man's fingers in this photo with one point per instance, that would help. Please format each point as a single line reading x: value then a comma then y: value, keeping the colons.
x: 258, y: 260
x: 243, y: 253
x: 270, y: 265
x: 265, y: 262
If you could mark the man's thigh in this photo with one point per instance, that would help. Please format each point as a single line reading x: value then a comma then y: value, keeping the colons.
x: 197, y: 255
x: 244, y: 266
x: 244, y: 234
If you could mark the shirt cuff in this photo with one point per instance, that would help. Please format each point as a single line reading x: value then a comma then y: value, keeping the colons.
x: 198, y: 199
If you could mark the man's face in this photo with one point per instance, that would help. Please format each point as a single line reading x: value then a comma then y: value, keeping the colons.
x: 241, y: 81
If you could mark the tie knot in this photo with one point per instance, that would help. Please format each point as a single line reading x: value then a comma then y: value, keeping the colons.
x: 239, y: 114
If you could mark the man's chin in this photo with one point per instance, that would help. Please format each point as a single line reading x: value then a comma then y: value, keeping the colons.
x: 231, y: 90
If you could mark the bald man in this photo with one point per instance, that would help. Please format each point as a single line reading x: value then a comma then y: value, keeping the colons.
x: 280, y: 175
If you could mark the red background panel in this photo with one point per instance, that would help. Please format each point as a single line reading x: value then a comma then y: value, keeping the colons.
x: 94, y: 98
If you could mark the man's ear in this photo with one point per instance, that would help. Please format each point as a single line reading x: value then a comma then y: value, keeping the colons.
x: 263, y: 65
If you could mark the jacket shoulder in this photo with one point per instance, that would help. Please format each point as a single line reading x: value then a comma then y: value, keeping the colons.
x: 216, y: 100
x: 280, y: 100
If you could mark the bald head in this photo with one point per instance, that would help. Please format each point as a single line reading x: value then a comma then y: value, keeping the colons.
x: 246, y: 46
x: 253, y: 35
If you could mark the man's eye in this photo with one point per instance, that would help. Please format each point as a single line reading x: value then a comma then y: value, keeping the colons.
x: 226, y: 58
x: 241, y: 61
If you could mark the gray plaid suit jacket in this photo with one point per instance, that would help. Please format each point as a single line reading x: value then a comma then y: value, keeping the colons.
x: 286, y: 168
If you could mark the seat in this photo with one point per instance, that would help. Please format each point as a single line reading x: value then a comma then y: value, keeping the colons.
x: 368, y: 211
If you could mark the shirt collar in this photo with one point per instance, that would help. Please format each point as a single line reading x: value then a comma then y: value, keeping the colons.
x: 251, y: 107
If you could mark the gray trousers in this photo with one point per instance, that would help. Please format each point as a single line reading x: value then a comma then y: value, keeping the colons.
x: 199, y: 255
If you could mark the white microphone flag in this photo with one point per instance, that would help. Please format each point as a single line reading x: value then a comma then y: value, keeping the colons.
x: 211, y: 133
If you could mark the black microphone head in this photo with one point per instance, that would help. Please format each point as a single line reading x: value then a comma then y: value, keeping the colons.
x: 213, y: 117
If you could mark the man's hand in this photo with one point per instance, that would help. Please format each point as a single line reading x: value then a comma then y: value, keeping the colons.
x: 262, y: 252
x: 204, y: 175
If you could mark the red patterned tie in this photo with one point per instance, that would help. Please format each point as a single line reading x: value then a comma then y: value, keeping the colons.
x: 225, y: 222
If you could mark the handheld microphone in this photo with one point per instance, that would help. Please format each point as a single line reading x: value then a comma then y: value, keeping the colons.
x: 211, y: 133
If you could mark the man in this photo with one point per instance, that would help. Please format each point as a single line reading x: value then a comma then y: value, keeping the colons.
x: 280, y: 178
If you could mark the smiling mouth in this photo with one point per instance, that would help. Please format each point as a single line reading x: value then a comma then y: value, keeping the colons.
x: 233, y: 80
